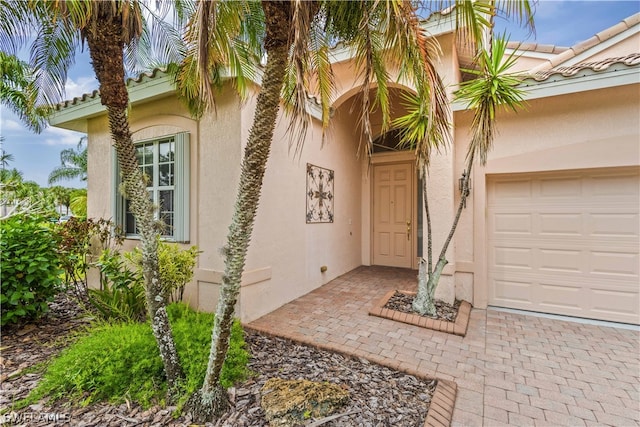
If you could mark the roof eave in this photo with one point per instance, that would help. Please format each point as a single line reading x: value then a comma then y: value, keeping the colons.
x: 588, y: 80
x: 74, y: 114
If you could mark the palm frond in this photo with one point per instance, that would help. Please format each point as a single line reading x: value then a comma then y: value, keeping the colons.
x: 300, y: 68
x: 220, y: 36
x: 52, y: 54
x: 18, y: 92
x: 427, y: 125
x: 494, y: 88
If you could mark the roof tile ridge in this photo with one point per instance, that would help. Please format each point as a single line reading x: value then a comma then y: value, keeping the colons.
x: 536, y: 47
x: 584, y: 45
x: 630, y: 60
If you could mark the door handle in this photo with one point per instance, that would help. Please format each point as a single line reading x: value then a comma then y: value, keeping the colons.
x: 408, y: 229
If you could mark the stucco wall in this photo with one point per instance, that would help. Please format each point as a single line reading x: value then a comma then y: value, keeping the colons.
x: 286, y: 253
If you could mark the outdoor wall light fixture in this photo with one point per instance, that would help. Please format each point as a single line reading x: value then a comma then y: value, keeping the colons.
x: 464, y: 190
x: 461, y: 183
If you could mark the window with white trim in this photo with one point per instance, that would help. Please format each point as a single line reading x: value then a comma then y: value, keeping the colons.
x: 165, y: 164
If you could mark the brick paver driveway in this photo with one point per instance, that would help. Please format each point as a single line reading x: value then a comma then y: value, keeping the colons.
x: 511, y: 369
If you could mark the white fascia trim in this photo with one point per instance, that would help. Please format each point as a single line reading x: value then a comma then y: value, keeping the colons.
x: 587, y: 81
x: 581, y: 57
x: 139, y: 91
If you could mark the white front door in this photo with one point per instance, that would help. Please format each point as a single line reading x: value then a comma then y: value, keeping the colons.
x: 392, y: 215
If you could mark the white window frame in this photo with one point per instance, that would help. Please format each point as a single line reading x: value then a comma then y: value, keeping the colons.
x: 181, y: 189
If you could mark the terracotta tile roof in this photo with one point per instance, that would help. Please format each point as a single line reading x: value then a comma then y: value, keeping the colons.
x: 589, y: 43
x: 536, y: 47
x: 632, y: 60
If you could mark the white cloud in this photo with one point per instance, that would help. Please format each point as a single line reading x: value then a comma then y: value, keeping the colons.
x: 80, y: 86
x: 8, y: 124
x: 57, y: 136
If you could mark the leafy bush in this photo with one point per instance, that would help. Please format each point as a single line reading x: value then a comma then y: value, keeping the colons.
x: 119, y: 362
x: 76, y: 237
x: 176, y: 267
x: 121, y: 295
x: 29, y: 270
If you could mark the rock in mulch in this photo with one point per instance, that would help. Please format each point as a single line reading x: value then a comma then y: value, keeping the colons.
x: 288, y: 403
x: 402, y: 302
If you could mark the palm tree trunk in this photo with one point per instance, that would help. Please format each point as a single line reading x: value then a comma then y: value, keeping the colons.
x: 428, y: 279
x: 107, y: 58
x: 211, y: 400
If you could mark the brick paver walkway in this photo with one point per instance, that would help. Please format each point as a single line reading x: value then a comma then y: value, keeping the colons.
x: 510, y: 369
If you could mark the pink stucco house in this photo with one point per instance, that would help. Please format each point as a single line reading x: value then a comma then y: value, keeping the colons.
x: 552, y: 224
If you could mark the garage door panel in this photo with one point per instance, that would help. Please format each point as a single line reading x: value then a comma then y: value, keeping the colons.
x: 513, y: 223
x: 514, y: 292
x: 556, y: 260
x: 613, y: 303
x: 512, y: 257
x: 607, y: 187
x: 613, y: 224
x: 614, y: 263
x: 565, y: 224
x: 565, y: 187
x: 560, y: 296
x: 512, y: 190
x: 566, y: 243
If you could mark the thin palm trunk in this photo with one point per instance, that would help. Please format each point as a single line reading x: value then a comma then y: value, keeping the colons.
x: 429, y: 277
x: 211, y: 400
x: 107, y: 59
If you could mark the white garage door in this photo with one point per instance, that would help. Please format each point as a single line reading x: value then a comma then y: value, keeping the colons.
x: 566, y: 243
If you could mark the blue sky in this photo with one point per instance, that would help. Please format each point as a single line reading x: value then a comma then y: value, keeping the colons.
x: 561, y: 23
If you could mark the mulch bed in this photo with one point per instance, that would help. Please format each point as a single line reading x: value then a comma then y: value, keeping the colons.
x: 402, y: 302
x: 396, y: 305
x: 379, y: 396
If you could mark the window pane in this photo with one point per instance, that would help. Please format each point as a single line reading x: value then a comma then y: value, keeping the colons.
x: 130, y: 221
x: 166, y: 151
x: 166, y: 201
x: 148, y: 154
x: 148, y: 171
x: 144, y: 154
x: 165, y: 175
x: 166, y: 210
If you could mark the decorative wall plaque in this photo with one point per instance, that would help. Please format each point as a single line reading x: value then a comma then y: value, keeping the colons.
x: 319, y: 194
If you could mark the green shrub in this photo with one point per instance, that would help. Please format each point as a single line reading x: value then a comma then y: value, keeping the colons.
x: 121, y: 295
x: 76, y: 237
x: 29, y: 270
x: 119, y: 362
x: 176, y: 267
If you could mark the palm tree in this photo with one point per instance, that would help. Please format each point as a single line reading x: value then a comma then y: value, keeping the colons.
x: 18, y: 91
x: 297, y: 36
x: 73, y: 164
x: 493, y: 88
x: 110, y: 29
x: 5, y: 158
x: 78, y: 202
x: 62, y: 196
